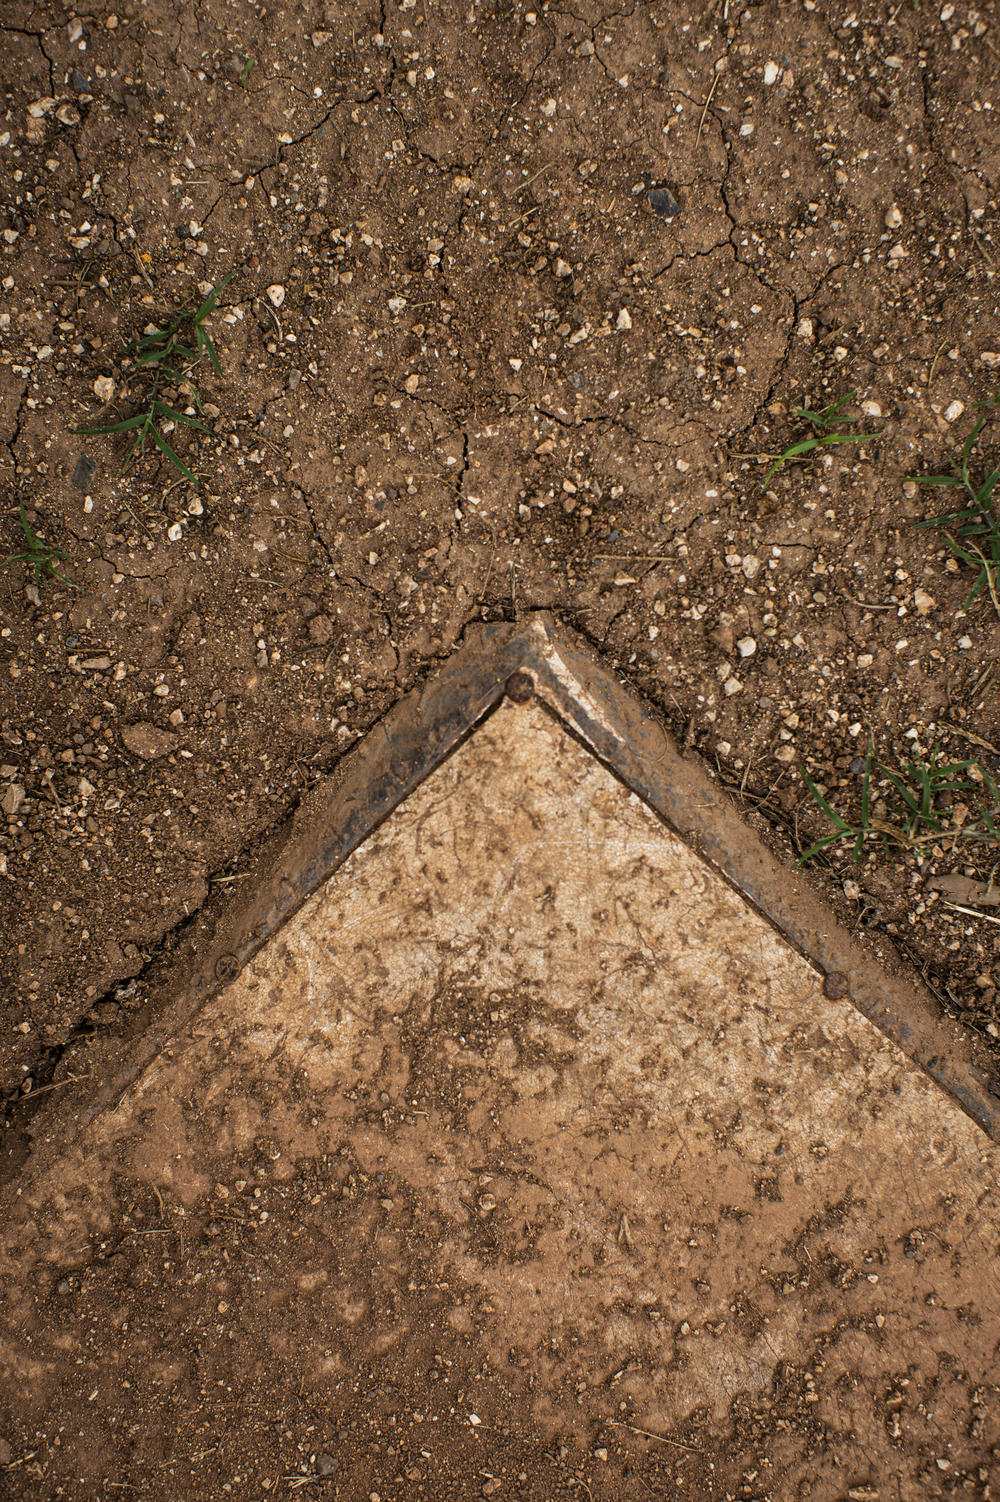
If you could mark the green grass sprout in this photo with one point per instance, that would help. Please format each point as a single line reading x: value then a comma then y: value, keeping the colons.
x: 827, y: 426
x: 39, y: 555
x: 972, y: 534
x: 917, y: 804
x: 165, y: 358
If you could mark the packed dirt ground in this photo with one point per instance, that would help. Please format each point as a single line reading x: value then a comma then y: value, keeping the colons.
x: 522, y: 299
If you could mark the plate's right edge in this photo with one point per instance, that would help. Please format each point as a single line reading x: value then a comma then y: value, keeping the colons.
x: 622, y: 732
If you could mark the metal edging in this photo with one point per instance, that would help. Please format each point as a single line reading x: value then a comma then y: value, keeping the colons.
x: 427, y: 726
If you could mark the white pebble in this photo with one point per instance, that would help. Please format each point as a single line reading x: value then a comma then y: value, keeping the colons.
x: 175, y: 532
x: 746, y: 129
x: 771, y: 74
x: 561, y: 268
x: 893, y: 218
x: 746, y: 646
x: 751, y: 567
x: 953, y: 411
x: 104, y: 388
x: 276, y: 293
x: 965, y: 643
x: 732, y: 686
x: 624, y: 320
x: 871, y: 409
x: 804, y: 328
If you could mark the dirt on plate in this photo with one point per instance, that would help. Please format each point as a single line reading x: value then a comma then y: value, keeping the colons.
x: 526, y: 1160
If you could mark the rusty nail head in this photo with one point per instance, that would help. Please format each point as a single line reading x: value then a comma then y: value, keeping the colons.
x: 520, y: 687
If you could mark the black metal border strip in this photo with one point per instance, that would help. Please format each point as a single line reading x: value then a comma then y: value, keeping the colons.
x: 426, y: 727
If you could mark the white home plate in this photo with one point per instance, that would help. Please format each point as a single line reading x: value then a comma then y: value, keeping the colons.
x: 526, y: 1160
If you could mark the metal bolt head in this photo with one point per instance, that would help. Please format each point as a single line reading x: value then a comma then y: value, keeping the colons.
x: 227, y: 967
x: 520, y: 687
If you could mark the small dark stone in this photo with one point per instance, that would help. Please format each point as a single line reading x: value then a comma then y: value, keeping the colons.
x: 520, y: 687
x: 83, y: 473
x: 78, y: 83
x: 835, y: 985
x: 132, y: 104
x: 663, y: 202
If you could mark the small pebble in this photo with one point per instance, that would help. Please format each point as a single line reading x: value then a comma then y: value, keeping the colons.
x: 83, y: 472
x: 411, y: 383
x: 771, y: 74
x: 624, y: 321
x: 923, y: 601
x: 561, y: 268
x: 276, y: 293
x: 104, y: 388
x: 953, y: 411
x: 893, y: 218
x: 663, y: 202
x: 12, y: 799
x: 732, y: 686
x: 746, y: 646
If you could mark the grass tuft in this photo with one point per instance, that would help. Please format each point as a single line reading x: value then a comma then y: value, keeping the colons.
x: 920, y: 803
x: 165, y: 358
x: 39, y: 555
x: 827, y: 430
x: 972, y: 533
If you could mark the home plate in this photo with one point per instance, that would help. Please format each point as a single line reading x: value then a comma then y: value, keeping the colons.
x: 531, y: 1155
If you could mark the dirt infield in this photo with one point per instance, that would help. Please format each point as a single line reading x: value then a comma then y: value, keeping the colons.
x: 519, y: 299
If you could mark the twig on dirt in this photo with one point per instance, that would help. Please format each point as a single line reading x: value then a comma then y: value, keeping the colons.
x: 704, y: 111
x: 13, y: 1464
x: 489, y: 567
x: 973, y: 912
x: 532, y: 179
x: 968, y: 735
x: 71, y: 1079
x: 616, y: 1424
x: 984, y: 678
x: 142, y: 270
x: 937, y: 356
